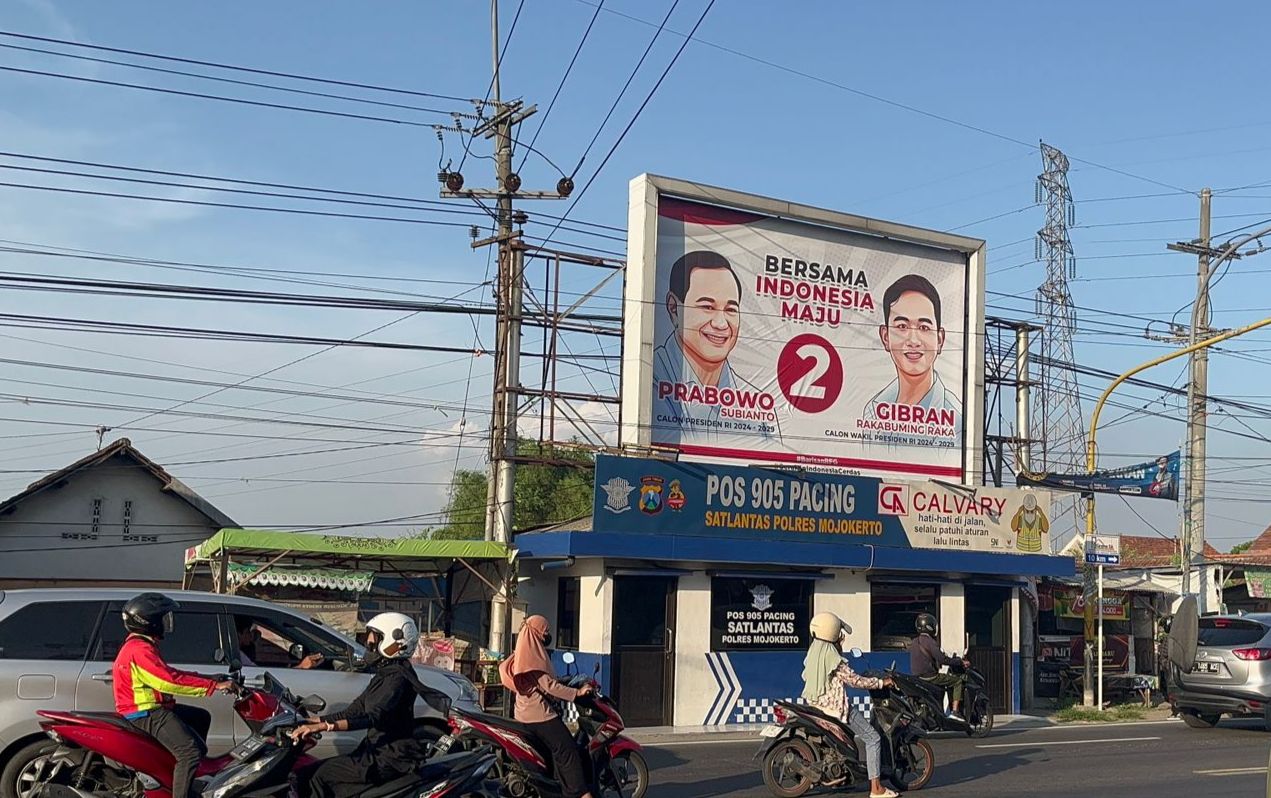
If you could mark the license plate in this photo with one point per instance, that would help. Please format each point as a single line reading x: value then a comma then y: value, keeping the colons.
x: 771, y: 731
x: 1208, y: 667
x: 444, y: 743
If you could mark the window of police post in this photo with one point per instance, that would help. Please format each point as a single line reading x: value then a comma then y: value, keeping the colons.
x: 760, y: 614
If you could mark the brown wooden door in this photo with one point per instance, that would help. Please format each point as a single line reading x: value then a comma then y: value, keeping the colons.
x: 644, y: 649
x: 988, y: 631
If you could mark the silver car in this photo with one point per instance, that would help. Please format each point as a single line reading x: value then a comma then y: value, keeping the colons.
x: 1231, y: 674
x: 57, y: 647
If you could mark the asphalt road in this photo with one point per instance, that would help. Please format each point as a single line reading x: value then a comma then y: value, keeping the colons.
x: 1156, y: 760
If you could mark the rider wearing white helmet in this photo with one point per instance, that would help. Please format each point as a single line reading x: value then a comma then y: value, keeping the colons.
x: 385, y: 709
x: 826, y: 674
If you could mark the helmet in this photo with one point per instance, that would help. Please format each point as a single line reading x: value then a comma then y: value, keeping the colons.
x: 925, y: 622
x: 397, y: 635
x: 150, y: 614
x: 828, y: 627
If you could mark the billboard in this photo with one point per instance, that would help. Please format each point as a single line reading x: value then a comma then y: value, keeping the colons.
x: 636, y: 495
x: 761, y: 331
x: 1157, y: 479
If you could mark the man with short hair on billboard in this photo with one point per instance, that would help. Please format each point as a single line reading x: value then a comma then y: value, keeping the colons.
x: 913, y: 335
x: 703, y: 301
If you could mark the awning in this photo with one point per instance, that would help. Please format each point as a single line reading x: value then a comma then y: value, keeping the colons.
x: 321, y: 578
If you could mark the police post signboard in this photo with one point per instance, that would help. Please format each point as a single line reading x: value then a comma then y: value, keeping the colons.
x: 760, y: 331
x: 646, y: 495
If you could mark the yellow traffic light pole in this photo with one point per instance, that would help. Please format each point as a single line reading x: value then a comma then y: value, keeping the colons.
x: 1092, y: 452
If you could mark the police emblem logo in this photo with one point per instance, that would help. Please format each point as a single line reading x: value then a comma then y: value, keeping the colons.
x: 762, y: 595
x: 651, y: 495
x: 617, y: 495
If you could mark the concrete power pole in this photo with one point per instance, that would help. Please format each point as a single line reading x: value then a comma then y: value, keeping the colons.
x: 1197, y: 408
x: 509, y: 295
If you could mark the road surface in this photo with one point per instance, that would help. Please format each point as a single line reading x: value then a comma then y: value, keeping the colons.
x: 1130, y: 760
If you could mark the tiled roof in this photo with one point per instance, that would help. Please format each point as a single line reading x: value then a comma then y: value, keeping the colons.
x: 1153, y: 551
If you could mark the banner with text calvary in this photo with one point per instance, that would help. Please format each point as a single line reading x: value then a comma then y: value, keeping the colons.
x: 644, y: 495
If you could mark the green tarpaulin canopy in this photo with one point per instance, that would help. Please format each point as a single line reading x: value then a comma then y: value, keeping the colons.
x: 343, y: 547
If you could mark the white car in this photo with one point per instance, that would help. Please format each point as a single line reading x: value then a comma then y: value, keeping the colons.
x: 57, y: 647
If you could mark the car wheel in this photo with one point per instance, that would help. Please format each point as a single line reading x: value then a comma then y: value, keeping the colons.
x: 19, y: 777
x: 1197, y: 720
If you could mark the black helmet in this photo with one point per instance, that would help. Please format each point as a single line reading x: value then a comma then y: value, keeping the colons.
x: 925, y: 622
x: 150, y: 614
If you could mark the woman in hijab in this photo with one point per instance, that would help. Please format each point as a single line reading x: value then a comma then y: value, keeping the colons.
x: 825, y: 675
x: 528, y: 673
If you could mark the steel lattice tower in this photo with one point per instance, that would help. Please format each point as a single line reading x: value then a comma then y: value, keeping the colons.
x: 1057, y: 420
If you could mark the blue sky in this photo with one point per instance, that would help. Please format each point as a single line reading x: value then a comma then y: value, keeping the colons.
x: 1113, y: 86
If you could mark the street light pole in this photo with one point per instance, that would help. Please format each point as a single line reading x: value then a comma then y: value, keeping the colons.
x: 1092, y: 452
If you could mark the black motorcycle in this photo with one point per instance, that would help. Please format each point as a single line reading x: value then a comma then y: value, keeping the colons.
x: 807, y: 748
x: 928, y: 700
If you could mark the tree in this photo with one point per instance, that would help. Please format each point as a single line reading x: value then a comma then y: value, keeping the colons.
x: 1242, y: 547
x: 545, y: 494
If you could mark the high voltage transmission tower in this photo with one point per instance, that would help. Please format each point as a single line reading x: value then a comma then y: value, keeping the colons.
x: 1057, y: 421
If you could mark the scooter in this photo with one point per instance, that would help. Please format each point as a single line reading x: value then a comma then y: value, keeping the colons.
x: 615, y: 764
x: 928, y: 699
x: 101, y: 755
x: 807, y: 748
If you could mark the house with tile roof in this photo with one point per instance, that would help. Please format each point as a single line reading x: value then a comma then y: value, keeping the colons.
x: 112, y: 518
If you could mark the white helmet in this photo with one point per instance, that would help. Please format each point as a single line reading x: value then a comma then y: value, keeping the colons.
x: 398, y: 635
x: 829, y: 627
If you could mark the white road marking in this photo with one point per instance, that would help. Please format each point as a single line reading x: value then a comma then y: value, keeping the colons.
x: 1231, y: 772
x: 1070, y: 742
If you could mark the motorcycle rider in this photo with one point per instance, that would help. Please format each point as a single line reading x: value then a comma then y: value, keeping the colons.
x: 529, y: 674
x: 144, y: 686
x: 925, y: 659
x: 385, y: 709
x: 826, y: 674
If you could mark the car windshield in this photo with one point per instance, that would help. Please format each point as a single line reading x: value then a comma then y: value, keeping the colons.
x: 1225, y: 632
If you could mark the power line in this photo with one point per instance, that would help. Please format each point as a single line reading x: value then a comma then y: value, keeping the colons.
x: 623, y: 91
x: 232, y: 81
x: 233, y: 67
x: 542, y: 122
x: 237, y: 100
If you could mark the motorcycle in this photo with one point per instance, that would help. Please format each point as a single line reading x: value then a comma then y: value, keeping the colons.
x: 928, y: 699
x: 806, y: 748
x: 614, y: 763
x: 101, y: 755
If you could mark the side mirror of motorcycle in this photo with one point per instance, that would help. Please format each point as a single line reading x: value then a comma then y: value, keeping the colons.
x: 297, y: 651
x: 569, y: 658
x: 856, y: 653
x: 313, y: 704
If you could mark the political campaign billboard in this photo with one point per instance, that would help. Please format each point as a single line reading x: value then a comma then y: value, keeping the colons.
x: 1156, y: 479
x: 761, y: 331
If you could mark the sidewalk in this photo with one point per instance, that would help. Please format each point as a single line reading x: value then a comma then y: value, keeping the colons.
x: 661, y: 735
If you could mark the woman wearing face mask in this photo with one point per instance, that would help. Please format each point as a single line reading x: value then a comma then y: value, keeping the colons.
x: 825, y: 675
x: 528, y: 673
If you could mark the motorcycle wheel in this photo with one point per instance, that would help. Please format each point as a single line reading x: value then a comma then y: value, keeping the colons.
x: 915, y: 764
x: 787, y: 754
x: 629, y: 775
x: 981, y: 724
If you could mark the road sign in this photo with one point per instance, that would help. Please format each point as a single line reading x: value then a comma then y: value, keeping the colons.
x: 1105, y: 551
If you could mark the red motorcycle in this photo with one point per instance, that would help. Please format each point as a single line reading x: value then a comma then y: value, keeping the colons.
x: 615, y: 764
x: 102, y: 752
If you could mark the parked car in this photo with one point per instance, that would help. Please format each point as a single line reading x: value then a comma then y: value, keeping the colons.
x: 1231, y: 671
x: 57, y: 646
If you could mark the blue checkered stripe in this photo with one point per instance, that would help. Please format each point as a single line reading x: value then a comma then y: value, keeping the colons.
x: 761, y: 710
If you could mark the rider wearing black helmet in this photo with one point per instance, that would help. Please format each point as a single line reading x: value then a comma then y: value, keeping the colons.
x: 925, y: 659
x: 145, y: 685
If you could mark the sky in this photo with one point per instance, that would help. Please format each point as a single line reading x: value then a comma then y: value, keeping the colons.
x: 927, y: 114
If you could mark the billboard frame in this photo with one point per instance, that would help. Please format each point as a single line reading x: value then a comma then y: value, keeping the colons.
x: 645, y: 191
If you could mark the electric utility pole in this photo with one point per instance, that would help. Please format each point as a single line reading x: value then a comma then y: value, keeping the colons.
x: 500, y: 127
x: 1193, y: 537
